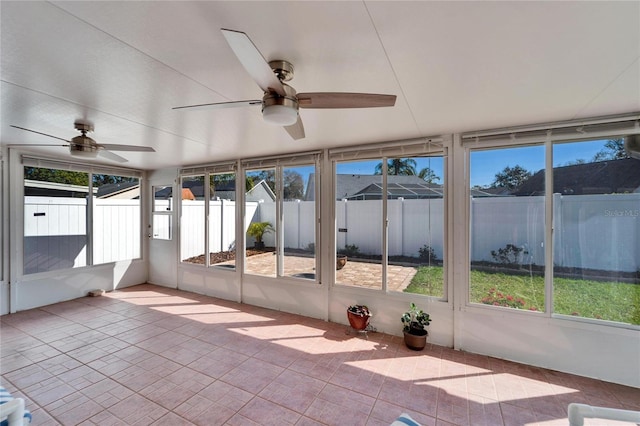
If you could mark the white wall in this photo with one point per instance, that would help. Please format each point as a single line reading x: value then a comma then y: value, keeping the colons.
x: 4, y: 227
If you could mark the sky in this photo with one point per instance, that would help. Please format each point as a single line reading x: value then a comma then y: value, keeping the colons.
x: 486, y: 163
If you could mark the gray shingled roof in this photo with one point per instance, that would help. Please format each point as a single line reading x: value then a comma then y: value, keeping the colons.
x: 602, y: 177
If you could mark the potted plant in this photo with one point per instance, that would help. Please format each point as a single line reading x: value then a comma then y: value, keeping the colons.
x: 415, y: 321
x: 358, y: 316
x: 257, y: 231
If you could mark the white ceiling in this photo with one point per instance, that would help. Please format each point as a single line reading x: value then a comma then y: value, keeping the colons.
x: 455, y: 67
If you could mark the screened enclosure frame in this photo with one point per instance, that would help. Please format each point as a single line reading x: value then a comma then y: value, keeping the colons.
x: 437, y: 146
x: 90, y: 170
x: 279, y: 164
x: 548, y: 135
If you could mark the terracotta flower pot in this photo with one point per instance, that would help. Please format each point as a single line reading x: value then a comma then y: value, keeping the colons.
x: 358, y: 322
x: 341, y: 260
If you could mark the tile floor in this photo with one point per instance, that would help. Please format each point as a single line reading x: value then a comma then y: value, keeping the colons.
x: 150, y: 355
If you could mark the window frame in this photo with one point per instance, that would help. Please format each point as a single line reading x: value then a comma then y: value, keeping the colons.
x: 166, y: 214
x: 279, y: 165
x: 90, y: 169
x: 420, y: 147
x: 548, y: 135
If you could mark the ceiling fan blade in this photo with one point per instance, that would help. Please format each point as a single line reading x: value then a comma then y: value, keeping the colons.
x: 40, y: 133
x: 111, y: 156
x: 114, y: 147
x: 221, y: 105
x: 344, y: 100
x: 296, y: 131
x: 253, y: 61
x: 27, y: 145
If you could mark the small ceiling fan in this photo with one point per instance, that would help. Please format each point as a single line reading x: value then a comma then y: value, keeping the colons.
x: 280, y: 101
x: 84, y: 146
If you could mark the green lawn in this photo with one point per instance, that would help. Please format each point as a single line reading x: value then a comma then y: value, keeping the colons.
x: 610, y: 301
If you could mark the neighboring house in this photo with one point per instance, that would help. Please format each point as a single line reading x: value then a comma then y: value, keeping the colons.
x: 260, y: 192
x: 602, y: 177
x: 369, y: 187
x: 490, y: 192
x: 121, y: 190
x: 194, y: 190
x: 51, y: 189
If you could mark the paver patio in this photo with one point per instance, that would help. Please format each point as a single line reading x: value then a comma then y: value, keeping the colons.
x: 356, y: 273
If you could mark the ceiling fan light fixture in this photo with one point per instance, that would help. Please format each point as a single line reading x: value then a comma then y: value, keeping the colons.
x: 83, y: 153
x: 280, y: 115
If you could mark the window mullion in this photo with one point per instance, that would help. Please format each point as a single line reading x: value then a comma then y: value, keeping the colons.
x: 207, y: 202
x: 89, y: 221
x: 279, y: 221
x: 385, y: 224
x: 549, y: 226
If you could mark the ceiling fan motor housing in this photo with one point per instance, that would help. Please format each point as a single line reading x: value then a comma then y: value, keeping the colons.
x: 83, y: 146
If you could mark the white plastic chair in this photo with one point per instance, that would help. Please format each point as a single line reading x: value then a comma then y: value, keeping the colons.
x: 578, y: 412
x: 12, y: 411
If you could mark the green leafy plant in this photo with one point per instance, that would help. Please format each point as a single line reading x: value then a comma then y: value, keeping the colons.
x: 415, y: 321
x: 507, y: 255
x: 258, y: 229
x: 360, y: 310
x: 427, y: 254
x: 350, y: 250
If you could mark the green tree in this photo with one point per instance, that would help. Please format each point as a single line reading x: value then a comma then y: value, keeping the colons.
x: 100, y: 180
x: 293, y: 185
x: 428, y: 175
x: 575, y: 162
x: 613, y: 150
x: 511, y: 177
x: 269, y: 176
x: 72, y: 178
x: 398, y: 166
x: 56, y: 176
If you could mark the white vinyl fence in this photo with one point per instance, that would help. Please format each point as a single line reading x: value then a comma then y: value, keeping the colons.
x: 222, y: 225
x: 55, y: 235
x: 591, y: 231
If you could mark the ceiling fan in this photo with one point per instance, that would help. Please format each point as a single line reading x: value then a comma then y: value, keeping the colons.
x: 84, y: 146
x: 280, y: 101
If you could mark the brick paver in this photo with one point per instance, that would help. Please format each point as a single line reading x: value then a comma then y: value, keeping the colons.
x: 356, y: 273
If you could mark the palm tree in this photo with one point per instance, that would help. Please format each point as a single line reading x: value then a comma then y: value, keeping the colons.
x: 398, y: 166
x: 428, y: 175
